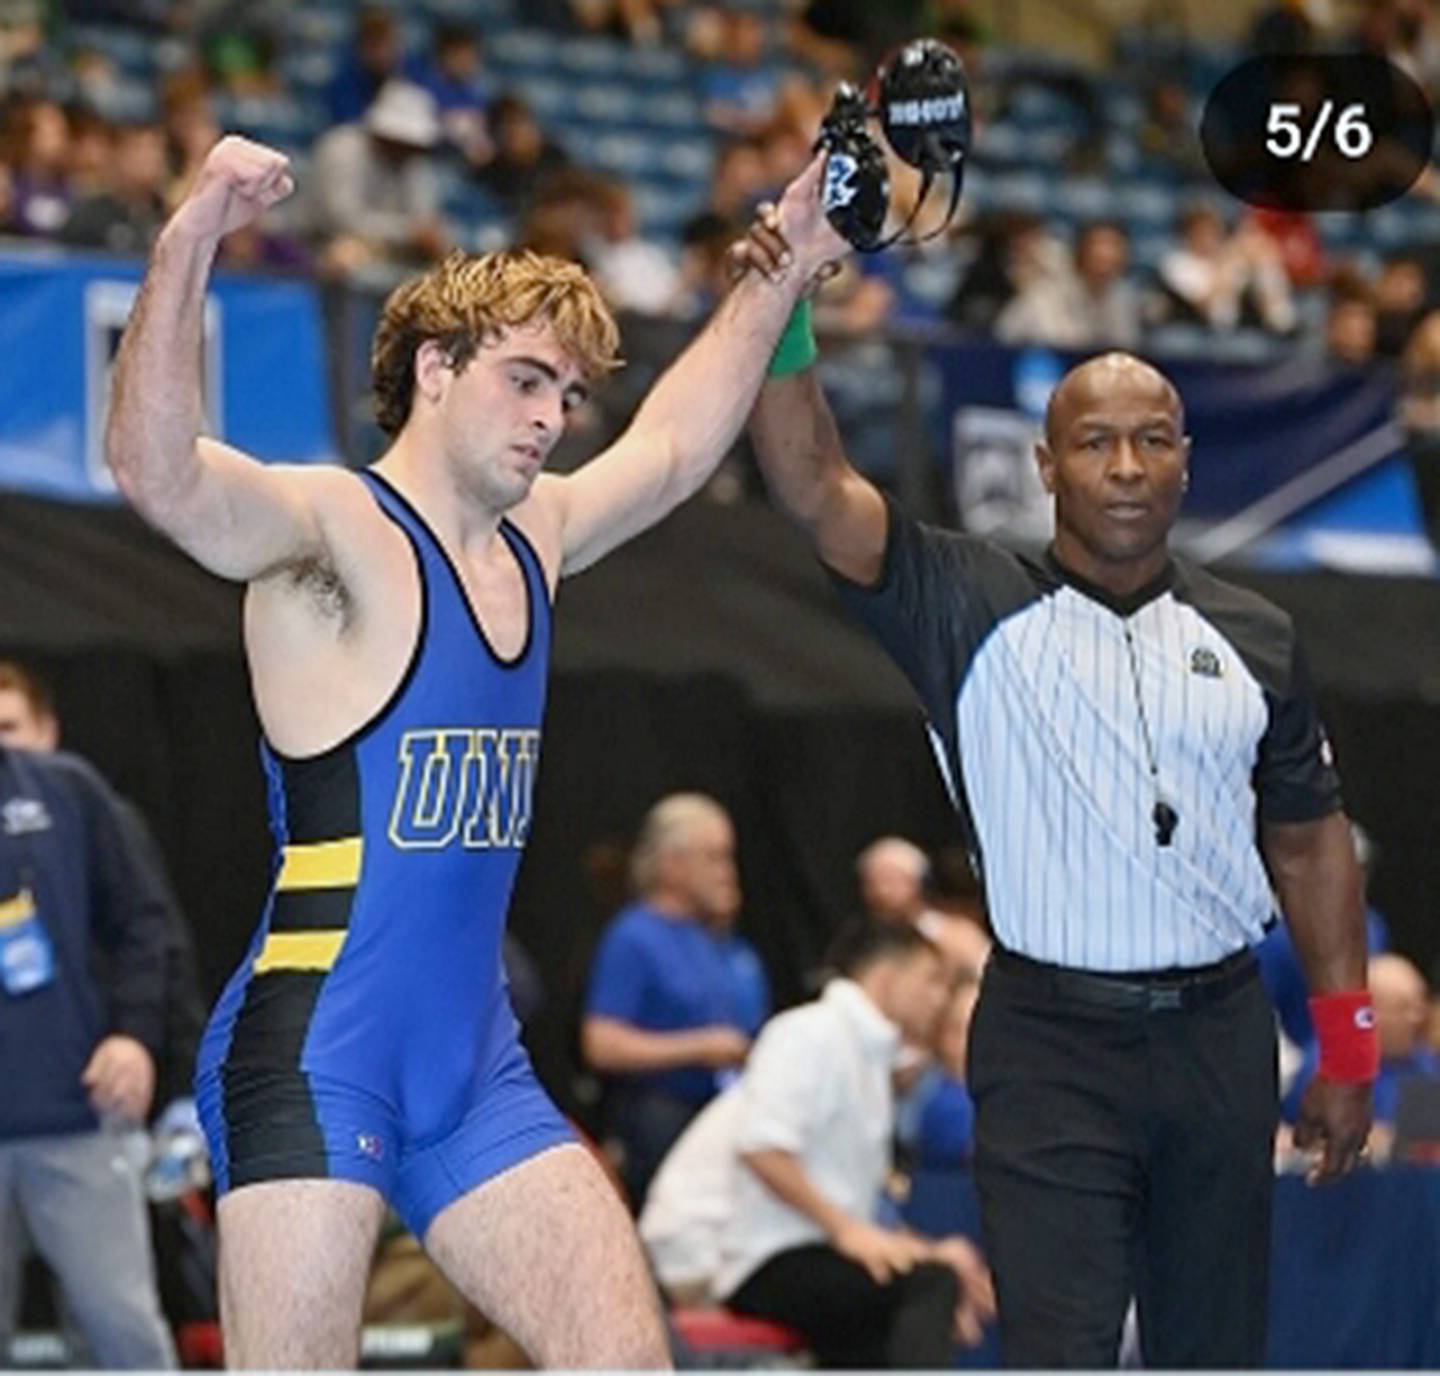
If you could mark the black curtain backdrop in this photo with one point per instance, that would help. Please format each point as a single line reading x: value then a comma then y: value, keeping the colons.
x: 709, y: 654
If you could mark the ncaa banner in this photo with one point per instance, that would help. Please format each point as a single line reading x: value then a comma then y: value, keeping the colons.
x: 61, y: 318
x: 1296, y: 463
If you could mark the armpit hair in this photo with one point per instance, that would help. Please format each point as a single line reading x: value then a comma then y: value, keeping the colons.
x: 321, y: 581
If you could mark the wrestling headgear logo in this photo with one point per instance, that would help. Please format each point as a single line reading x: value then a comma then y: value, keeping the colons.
x: 923, y: 104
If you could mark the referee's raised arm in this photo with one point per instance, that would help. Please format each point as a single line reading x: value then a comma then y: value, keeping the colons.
x: 797, y: 442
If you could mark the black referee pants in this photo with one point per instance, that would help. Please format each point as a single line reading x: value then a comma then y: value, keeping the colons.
x: 851, y: 1321
x: 1124, y: 1152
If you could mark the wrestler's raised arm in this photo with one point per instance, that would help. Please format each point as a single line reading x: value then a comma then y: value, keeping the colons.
x: 799, y: 448
x: 694, y: 413
x: 239, y: 518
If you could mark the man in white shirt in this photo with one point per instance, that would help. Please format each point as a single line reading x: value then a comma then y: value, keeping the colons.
x: 815, y: 1120
x: 690, y: 1201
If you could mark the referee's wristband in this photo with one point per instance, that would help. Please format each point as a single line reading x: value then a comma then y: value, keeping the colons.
x: 1345, y: 1029
x: 797, y: 349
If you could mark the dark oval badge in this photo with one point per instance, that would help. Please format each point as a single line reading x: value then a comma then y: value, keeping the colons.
x: 1317, y: 132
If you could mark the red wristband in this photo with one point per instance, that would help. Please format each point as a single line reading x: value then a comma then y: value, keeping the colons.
x: 1345, y: 1029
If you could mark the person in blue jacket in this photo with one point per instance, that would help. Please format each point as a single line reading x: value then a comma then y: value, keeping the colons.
x: 82, y: 1019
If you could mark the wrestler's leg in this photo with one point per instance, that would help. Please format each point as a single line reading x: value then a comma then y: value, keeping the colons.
x: 294, y: 1259
x: 547, y: 1251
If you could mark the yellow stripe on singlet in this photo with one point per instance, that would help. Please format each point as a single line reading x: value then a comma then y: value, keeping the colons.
x: 14, y: 911
x: 300, y: 951
x: 321, y: 865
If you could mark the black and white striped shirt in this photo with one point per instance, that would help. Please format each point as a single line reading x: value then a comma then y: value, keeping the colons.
x: 1041, y: 690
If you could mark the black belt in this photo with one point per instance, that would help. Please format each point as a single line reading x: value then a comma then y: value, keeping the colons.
x: 1132, y: 992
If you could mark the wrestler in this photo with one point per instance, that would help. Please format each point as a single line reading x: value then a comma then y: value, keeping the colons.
x: 397, y: 626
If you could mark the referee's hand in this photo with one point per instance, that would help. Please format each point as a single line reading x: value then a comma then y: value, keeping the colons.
x: 1333, y: 1123
x: 765, y: 250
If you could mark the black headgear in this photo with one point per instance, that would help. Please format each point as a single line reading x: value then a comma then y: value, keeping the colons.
x: 923, y: 102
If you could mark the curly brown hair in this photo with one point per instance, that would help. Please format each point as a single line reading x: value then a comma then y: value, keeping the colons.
x: 470, y: 299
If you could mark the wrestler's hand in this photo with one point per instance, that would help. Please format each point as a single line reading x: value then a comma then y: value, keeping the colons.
x: 881, y: 1251
x: 238, y: 181
x: 1333, y: 1123
x: 802, y: 223
x: 121, y: 1078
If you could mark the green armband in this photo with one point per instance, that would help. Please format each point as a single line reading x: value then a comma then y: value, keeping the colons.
x: 797, y: 349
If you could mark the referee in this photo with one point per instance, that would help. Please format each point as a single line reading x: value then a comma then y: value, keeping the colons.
x: 1117, y: 728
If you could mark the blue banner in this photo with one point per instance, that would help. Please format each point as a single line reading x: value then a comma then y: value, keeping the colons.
x: 1296, y: 463
x: 61, y: 318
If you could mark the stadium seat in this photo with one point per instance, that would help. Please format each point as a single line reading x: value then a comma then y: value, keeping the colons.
x: 198, y: 1345
x: 606, y: 103
x: 590, y: 56
x: 718, y: 1332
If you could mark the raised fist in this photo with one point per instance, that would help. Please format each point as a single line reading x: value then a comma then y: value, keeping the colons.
x: 238, y: 181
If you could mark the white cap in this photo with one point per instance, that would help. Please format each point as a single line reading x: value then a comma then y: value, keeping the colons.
x: 404, y: 113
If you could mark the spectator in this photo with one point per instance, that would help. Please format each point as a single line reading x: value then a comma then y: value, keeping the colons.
x: 844, y: 37
x: 376, y: 187
x: 739, y: 90
x: 689, y: 1203
x: 242, y: 52
x: 1419, y: 415
x: 747, y: 971
x: 1168, y: 135
x: 82, y: 1021
x: 524, y: 158
x: 1283, y: 26
x: 633, y: 273
x: 704, y: 279
x: 1221, y: 280
x: 893, y: 873
x: 191, y: 130
x: 894, y: 876
x: 663, y: 1019
x: 373, y: 61
x: 1087, y: 307
x: 1401, y: 294
x: 740, y: 179
x: 89, y: 153
x: 935, y: 1121
x: 28, y: 721
x: 638, y: 21
x: 95, y: 80
x: 1298, y: 242
x: 1402, y: 1016
x: 555, y: 224
x: 1352, y: 326
x: 126, y: 217
x: 857, y: 302
x: 1015, y: 251
x: 1402, y: 1020
x: 454, y: 75
x: 816, y: 1110
x: 37, y: 139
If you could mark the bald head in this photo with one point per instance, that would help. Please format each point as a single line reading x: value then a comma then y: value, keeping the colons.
x: 1402, y: 1002
x: 1115, y: 457
x: 892, y: 873
x: 1090, y: 384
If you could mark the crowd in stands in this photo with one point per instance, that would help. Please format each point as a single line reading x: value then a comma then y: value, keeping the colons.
x: 1090, y: 217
